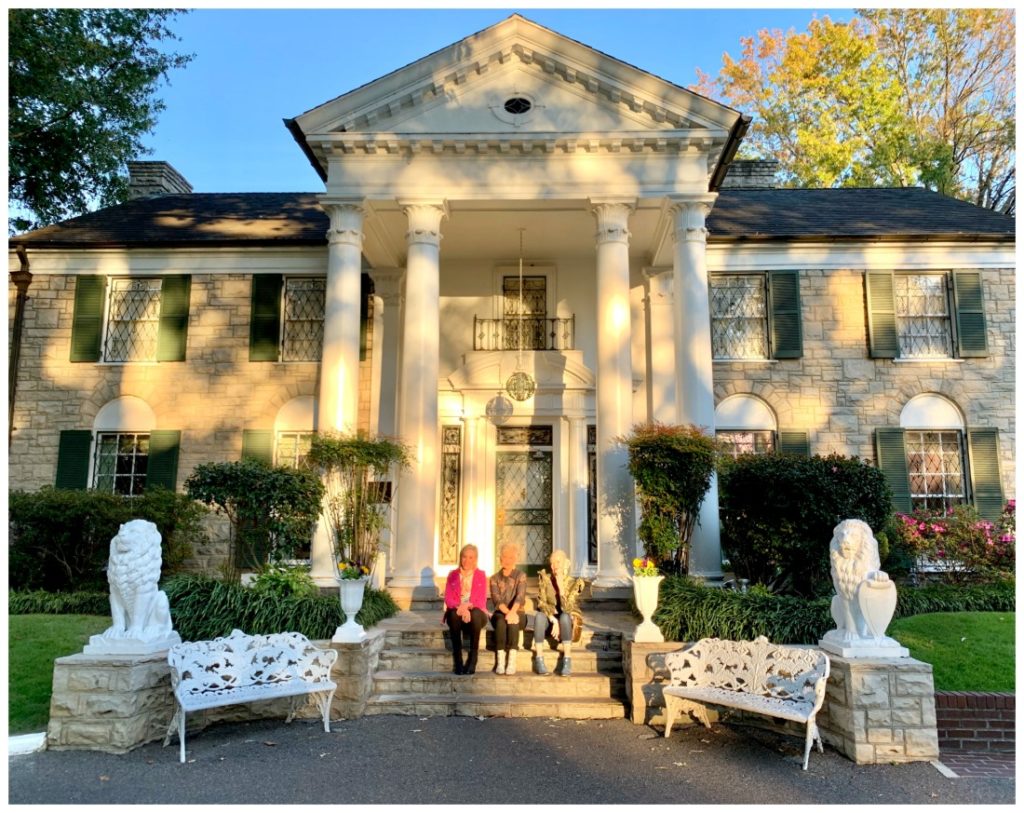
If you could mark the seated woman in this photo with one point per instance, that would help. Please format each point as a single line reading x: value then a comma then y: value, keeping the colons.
x: 465, y: 602
x: 558, y: 603
x: 508, y: 595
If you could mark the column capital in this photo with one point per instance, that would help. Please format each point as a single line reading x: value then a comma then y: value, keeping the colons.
x: 612, y: 218
x: 689, y: 214
x: 424, y: 217
x: 387, y: 284
x: 346, y: 216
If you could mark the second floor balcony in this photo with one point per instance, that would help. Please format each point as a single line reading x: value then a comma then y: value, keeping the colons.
x: 527, y: 332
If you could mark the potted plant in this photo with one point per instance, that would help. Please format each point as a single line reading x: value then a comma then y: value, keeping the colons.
x: 646, y: 581
x: 358, y: 473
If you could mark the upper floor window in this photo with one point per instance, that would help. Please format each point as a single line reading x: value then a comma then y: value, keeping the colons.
x: 525, y: 317
x: 133, y: 319
x: 922, y: 316
x: 122, y: 461
x: 739, y: 316
x: 303, y: 322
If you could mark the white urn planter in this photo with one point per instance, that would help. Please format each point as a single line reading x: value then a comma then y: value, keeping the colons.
x: 645, y: 592
x: 351, y: 591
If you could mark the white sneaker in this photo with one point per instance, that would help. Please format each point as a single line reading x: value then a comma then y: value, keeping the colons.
x: 510, y: 668
x: 500, y: 668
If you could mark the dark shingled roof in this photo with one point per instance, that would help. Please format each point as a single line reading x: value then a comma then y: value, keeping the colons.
x: 295, y: 219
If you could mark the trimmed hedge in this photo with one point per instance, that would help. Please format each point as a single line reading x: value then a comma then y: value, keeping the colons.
x: 84, y: 602
x: 203, y: 608
x: 688, y: 611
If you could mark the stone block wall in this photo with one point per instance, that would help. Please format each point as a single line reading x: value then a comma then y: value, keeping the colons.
x: 840, y: 396
x: 211, y: 397
x: 976, y: 721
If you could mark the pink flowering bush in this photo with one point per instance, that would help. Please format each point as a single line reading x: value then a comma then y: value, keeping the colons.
x: 964, y: 546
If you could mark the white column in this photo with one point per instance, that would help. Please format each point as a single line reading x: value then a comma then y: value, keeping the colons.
x: 387, y: 285
x: 578, y: 495
x: 616, y: 527
x: 338, y: 403
x: 417, y: 409
x: 695, y: 398
x: 338, y: 398
x: 661, y: 350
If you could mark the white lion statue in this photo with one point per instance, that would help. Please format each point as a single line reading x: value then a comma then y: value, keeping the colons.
x: 865, y: 598
x: 140, y: 612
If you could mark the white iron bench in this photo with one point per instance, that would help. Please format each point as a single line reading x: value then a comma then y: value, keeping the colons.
x: 244, y: 668
x: 754, y: 676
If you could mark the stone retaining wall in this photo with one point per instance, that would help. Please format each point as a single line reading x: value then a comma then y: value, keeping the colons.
x: 976, y: 721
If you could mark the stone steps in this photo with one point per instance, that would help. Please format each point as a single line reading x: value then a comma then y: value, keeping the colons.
x: 596, y: 640
x: 415, y: 659
x: 523, y: 684
x: 440, y: 705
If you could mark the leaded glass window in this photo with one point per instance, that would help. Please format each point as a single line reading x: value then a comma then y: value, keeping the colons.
x: 935, y: 462
x: 303, y: 322
x: 122, y: 459
x: 525, y: 436
x: 526, y: 316
x: 922, y: 316
x: 743, y: 441
x: 292, y: 449
x: 739, y: 316
x: 451, y: 481
x: 133, y: 320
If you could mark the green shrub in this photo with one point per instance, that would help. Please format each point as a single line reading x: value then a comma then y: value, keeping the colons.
x: 778, y: 512
x: 272, y: 509
x: 672, y: 467
x: 83, y: 602
x: 688, y: 611
x: 60, y: 539
x: 284, y: 580
x: 203, y: 608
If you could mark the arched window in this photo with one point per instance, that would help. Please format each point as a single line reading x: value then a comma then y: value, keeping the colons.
x: 122, y: 432
x: 933, y: 433
x: 746, y: 425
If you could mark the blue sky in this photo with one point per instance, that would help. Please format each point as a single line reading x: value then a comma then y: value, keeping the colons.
x: 223, y: 130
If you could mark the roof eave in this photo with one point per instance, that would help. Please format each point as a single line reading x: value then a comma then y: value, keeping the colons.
x: 300, y: 138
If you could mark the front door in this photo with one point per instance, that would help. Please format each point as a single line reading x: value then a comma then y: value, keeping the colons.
x: 523, y: 480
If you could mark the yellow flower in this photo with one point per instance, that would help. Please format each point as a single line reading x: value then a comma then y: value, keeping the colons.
x: 637, y: 563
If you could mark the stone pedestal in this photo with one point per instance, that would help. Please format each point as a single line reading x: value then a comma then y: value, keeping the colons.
x: 111, y: 703
x: 644, y: 681
x: 353, y: 672
x: 880, y: 710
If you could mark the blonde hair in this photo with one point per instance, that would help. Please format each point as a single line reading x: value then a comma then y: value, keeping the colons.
x: 509, y: 546
x: 468, y: 547
x: 558, y: 554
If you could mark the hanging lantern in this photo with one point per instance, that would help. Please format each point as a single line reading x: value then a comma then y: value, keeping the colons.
x: 499, y: 409
x: 520, y: 385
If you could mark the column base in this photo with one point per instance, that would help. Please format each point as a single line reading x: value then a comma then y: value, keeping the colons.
x: 612, y: 582
x: 415, y: 596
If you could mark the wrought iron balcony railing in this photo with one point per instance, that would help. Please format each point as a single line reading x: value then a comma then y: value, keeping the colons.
x: 537, y: 333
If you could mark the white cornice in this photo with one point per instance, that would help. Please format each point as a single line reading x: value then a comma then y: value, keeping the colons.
x: 860, y: 254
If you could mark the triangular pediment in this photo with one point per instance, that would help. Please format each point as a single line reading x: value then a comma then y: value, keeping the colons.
x: 463, y: 90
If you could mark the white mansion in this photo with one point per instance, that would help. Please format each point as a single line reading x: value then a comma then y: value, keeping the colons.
x: 660, y: 279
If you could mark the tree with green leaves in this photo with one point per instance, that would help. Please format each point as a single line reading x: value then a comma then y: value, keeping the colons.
x: 895, y: 97
x: 82, y: 85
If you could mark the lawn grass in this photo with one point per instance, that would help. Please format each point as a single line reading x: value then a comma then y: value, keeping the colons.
x: 34, y: 641
x: 969, y: 652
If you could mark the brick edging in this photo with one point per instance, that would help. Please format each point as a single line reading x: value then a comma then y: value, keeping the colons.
x: 976, y: 721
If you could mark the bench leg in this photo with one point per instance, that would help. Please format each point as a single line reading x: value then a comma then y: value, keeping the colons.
x: 808, y: 741
x: 326, y: 701
x: 181, y: 734
x: 671, y: 711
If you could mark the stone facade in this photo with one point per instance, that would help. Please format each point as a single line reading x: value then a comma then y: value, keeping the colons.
x: 211, y: 397
x: 840, y: 395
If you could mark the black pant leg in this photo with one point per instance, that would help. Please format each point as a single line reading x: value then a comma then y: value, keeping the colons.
x: 455, y: 630
x: 477, y: 621
x: 501, y: 628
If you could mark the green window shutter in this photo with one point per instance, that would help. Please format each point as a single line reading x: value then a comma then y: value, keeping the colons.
x: 258, y: 444
x: 883, y: 342
x: 73, y: 458
x: 794, y: 441
x: 87, y: 322
x: 174, y: 299
x: 970, y: 314
x: 786, y: 329
x: 163, y: 458
x: 986, y: 484
x: 365, y: 317
x: 891, y: 453
x: 265, y: 321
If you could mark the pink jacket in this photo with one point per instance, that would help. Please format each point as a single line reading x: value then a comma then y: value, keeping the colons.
x: 477, y: 595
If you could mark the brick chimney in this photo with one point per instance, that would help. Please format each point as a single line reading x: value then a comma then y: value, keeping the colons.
x: 151, y: 179
x: 759, y: 174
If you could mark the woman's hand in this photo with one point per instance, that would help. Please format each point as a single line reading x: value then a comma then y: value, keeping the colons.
x: 512, y: 617
x: 463, y: 611
x: 556, y: 632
